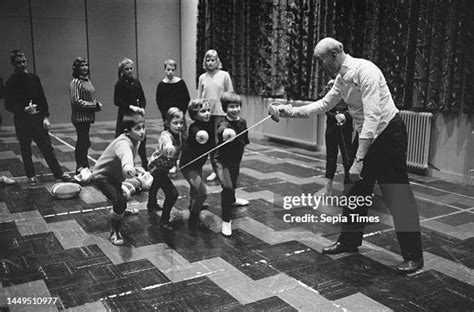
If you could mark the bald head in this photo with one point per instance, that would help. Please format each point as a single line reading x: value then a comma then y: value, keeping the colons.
x: 328, y: 45
x: 331, y: 54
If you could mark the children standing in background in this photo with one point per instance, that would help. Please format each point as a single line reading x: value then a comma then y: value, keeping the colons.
x: 162, y: 160
x: 84, y: 105
x: 197, y: 144
x: 212, y: 84
x: 229, y: 156
x: 129, y: 97
x: 115, y: 165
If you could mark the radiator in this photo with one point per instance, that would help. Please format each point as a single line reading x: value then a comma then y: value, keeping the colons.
x: 419, y: 134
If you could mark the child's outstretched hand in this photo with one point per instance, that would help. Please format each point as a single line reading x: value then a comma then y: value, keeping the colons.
x: 169, y: 150
x: 129, y: 172
x: 228, y: 134
x: 202, y: 137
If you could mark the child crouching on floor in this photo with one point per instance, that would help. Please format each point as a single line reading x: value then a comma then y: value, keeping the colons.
x: 230, y: 155
x: 115, y: 165
x: 197, y: 144
x: 162, y: 160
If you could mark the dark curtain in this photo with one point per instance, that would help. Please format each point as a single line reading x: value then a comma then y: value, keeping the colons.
x: 443, y: 72
x: 424, y: 47
x: 240, y: 33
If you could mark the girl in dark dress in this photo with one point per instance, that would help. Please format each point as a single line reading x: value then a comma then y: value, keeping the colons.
x: 171, y: 91
x: 129, y: 97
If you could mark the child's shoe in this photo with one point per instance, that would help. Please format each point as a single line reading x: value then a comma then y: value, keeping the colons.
x: 130, y: 211
x: 65, y: 178
x: 153, y: 207
x: 7, y: 180
x: 116, y: 238
x: 194, y: 222
x: 211, y: 177
x: 166, y: 226
x: 33, y: 180
x: 84, y: 176
x: 226, y: 229
x: 240, y: 202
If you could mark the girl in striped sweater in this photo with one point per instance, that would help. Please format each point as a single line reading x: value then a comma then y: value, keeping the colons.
x: 84, y: 105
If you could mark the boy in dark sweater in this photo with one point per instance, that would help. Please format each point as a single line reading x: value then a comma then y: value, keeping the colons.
x: 230, y: 155
x: 24, y: 97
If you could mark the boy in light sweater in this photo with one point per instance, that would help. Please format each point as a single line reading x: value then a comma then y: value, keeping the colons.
x: 115, y: 165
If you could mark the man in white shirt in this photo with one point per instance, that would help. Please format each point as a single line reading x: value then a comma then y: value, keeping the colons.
x: 381, y: 151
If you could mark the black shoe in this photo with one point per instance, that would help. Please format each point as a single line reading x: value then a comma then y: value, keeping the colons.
x: 153, y: 207
x: 194, y: 222
x: 409, y: 266
x: 195, y: 225
x: 33, y: 180
x: 338, y: 248
x: 66, y: 178
x: 166, y: 226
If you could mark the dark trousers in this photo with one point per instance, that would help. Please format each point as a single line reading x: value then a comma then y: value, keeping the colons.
x: 214, y: 120
x: 141, y: 147
x: 385, y: 163
x: 82, y: 145
x: 30, y: 129
x: 113, y: 191
x: 197, y: 191
x: 163, y: 181
x: 142, y: 153
x: 339, y: 137
x: 227, y: 175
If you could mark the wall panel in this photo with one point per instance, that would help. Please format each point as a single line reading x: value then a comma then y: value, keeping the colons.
x: 16, y: 34
x: 59, y: 30
x: 189, y: 14
x: 158, y: 39
x: 111, y: 25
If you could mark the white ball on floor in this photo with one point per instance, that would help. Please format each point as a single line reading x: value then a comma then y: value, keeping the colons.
x: 65, y: 190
